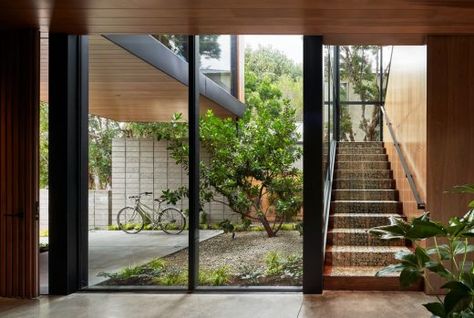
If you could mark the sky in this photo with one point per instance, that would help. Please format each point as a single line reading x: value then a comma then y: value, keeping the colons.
x: 290, y: 45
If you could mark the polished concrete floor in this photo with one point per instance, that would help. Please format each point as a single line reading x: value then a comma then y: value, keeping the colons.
x: 331, y: 304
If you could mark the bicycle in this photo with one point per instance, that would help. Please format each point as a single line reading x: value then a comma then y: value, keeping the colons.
x: 132, y: 220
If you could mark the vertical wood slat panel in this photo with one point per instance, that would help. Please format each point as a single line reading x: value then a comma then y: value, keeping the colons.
x: 19, y: 103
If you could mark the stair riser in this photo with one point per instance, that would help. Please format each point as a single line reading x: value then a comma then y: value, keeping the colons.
x: 364, y: 195
x: 354, y: 157
x: 356, y: 222
x: 361, y: 151
x: 366, y: 207
x: 364, y: 184
x: 360, y: 258
x: 363, y: 165
x: 363, y: 174
x: 370, y: 144
x: 360, y: 239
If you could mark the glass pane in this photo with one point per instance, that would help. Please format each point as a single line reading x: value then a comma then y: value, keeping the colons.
x: 251, y: 173
x: 137, y: 188
x: 360, y: 123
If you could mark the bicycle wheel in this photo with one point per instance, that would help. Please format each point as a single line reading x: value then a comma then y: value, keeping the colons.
x: 172, y: 221
x: 130, y: 221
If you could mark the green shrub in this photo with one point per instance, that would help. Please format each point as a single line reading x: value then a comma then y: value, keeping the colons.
x: 44, y: 233
x: 288, y: 227
x: 217, y: 277
x: 251, y: 273
x: 172, y: 276
x: 274, y: 263
x: 113, y: 227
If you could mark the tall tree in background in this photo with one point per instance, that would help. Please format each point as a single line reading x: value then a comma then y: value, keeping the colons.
x: 43, y: 145
x: 208, y: 45
x: 281, y: 71
x: 101, y: 133
x: 357, y: 68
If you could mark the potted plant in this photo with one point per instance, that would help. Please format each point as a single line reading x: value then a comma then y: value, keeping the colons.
x: 447, y: 258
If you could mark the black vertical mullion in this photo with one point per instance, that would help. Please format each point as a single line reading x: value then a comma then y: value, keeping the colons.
x: 194, y: 145
x: 312, y: 164
x: 336, y: 92
x: 68, y: 153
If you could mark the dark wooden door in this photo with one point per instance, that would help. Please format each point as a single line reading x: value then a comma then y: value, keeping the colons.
x: 19, y: 112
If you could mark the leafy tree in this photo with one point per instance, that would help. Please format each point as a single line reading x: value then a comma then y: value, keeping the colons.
x: 271, y: 62
x: 43, y: 145
x: 252, y: 159
x: 101, y: 133
x: 356, y: 68
x: 208, y: 45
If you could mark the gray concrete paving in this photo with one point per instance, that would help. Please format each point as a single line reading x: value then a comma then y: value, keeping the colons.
x: 110, y: 251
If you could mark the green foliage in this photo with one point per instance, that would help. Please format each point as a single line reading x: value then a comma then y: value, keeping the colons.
x: 227, y: 226
x: 43, y: 145
x: 251, y: 159
x: 251, y: 273
x: 216, y: 277
x: 101, y: 133
x: 172, y: 276
x: 356, y: 69
x: 290, y: 267
x: 208, y: 45
x: 446, y: 260
x: 268, y: 61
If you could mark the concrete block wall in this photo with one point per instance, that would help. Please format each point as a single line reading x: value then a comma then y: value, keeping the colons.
x: 99, y: 209
x: 145, y: 165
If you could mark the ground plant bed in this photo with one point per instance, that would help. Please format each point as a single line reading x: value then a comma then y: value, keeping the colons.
x: 248, y: 259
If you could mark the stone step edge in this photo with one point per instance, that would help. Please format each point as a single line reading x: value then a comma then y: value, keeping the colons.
x: 366, y: 201
x: 364, y: 215
x: 364, y: 249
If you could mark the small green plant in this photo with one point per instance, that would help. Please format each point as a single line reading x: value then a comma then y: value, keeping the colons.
x: 274, y: 263
x: 203, y: 218
x: 113, y: 227
x: 293, y: 267
x: 447, y: 260
x: 251, y: 273
x: 216, y: 277
x: 173, y: 276
x: 246, y: 224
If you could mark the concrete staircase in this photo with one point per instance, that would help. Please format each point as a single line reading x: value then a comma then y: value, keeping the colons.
x: 364, y: 195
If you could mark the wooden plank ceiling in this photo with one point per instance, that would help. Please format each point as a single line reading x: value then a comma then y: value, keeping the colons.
x: 124, y: 88
x: 340, y: 21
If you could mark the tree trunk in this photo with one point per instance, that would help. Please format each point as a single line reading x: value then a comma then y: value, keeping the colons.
x: 267, y: 226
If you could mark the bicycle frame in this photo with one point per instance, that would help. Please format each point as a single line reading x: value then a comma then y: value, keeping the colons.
x: 147, y: 212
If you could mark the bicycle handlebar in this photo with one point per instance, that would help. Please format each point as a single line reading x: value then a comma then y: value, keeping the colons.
x: 140, y: 195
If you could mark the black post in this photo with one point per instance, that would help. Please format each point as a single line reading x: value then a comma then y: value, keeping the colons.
x: 193, y: 118
x: 312, y: 164
x: 68, y: 163
x: 381, y: 95
x: 234, y: 64
x: 337, y: 97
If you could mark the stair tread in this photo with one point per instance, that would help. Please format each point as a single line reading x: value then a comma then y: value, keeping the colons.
x: 387, y: 215
x: 348, y: 230
x: 356, y: 271
x: 365, y: 249
x: 365, y: 190
x: 365, y: 201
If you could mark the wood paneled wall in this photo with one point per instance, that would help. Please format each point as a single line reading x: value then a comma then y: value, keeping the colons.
x: 406, y: 107
x: 19, y: 103
x: 450, y: 118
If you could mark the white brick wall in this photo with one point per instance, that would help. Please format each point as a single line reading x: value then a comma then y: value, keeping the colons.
x: 144, y: 165
x: 99, y: 215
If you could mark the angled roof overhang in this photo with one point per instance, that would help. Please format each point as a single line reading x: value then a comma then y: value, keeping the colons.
x: 136, y: 78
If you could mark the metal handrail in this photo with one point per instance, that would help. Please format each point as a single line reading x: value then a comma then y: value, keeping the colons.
x: 328, y: 193
x: 419, y: 202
